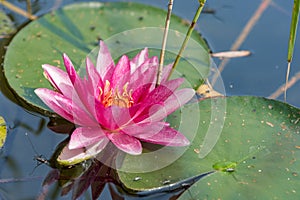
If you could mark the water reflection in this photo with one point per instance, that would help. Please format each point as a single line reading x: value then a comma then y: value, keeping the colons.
x: 75, y: 180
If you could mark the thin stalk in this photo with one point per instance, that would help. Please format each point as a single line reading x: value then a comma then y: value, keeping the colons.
x: 164, y: 43
x: 293, y: 31
x: 29, y: 10
x: 188, y: 35
x: 288, y: 69
x: 292, y: 81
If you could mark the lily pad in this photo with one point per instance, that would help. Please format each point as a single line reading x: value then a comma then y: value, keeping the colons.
x: 76, y: 30
x: 3, y: 131
x: 255, y: 156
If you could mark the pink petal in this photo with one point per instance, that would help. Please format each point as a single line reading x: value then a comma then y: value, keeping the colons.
x: 97, y: 147
x: 175, y: 101
x: 94, y: 80
x: 103, y: 116
x: 167, y: 136
x: 139, y: 59
x: 126, y: 143
x: 48, y: 97
x: 105, y: 63
x: 62, y: 82
x: 145, y: 74
x: 85, y: 136
x: 166, y: 71
x: 84, y: 97
x: 58, y: 78
x: 93, y: 76
x: 79, y: 114
x: 156, y: 98
x: 74, y: 156
x: 121, y: 73
x: 163, y: 91
x: 112, y: 117
x: 140, y: 93
x: 141, y: 128
x: 64, y: 107
x: 70, y: 69
x: 87, y: 101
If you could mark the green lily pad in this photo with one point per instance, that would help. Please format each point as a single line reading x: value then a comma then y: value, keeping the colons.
x: 76, y: 30
x: 3, y: 131
x: 255, y: 156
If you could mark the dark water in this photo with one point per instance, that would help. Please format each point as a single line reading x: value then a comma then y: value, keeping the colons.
x: 260, y: 74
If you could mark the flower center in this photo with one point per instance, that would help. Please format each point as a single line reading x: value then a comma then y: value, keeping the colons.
x: 109, y: 96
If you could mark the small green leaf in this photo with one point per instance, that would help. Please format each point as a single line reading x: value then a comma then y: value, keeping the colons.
x: 226, y: 166
x: 3, y: 131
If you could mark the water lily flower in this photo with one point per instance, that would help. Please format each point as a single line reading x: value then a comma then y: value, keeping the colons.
x: 118, y: 103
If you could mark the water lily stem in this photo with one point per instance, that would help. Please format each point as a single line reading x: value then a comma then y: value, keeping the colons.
x: 164, y: 42
x: 286, y: 80
x: 188, y: 35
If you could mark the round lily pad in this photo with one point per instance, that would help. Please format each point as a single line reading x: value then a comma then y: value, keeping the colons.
x: 256, y: 156
x: 76, y: 30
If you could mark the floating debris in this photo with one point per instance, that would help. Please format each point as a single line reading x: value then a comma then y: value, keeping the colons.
x: 197, y: 151
x: 206, y: 91
x: 270, y: 124
x: 166, y: 182
x: 137, y: 178
x: 231, y: 54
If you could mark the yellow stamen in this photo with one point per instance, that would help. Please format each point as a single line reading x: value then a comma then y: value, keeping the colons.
x: 109, y: 96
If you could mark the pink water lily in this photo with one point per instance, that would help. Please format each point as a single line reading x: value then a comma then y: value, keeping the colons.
x: 118, y: 103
